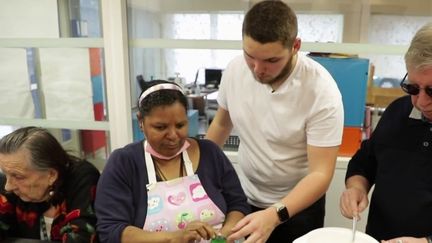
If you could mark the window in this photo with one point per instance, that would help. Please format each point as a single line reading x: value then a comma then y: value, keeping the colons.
x: 392, y: 29
x: 227, y: 26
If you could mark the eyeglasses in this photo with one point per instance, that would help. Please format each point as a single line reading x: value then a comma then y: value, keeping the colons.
x: 414, y: 89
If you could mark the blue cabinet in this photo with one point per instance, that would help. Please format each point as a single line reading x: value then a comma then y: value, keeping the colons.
x: 351, y: 75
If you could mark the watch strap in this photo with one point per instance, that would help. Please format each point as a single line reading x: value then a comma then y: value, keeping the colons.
x: 281, y: 211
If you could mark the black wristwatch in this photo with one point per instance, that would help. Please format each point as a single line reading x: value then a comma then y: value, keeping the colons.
x: 282, y: 212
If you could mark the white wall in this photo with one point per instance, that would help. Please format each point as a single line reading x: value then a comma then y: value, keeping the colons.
x: 333, y: 216
x: 29, y: 19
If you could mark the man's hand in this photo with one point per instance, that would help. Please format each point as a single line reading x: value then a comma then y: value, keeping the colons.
x: 257, y: 226
x: 353, y: 201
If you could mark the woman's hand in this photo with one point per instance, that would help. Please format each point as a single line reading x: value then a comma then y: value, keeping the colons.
x: 204, y: 230
x: 194, y: 231
x: 232, y: 218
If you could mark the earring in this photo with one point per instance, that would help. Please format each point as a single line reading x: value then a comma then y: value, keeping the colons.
x: 51, y: 191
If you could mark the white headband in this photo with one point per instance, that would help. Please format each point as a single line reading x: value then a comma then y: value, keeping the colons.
x: 158, y: 87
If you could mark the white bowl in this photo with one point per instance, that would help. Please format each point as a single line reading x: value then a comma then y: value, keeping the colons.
x: 334, y: 235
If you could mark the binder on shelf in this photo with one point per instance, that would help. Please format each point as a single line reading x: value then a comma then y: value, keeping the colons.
x: 351, y: 75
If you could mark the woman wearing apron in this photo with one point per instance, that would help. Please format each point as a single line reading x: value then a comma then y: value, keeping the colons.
x: 169, y: 188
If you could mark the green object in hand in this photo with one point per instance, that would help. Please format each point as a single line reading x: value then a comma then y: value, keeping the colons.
x: 218, y: 239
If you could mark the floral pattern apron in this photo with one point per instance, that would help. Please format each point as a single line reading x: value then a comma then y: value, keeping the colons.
x: 172, y: 204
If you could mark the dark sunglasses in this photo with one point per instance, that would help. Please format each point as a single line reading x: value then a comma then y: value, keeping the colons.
x: 414, y: 89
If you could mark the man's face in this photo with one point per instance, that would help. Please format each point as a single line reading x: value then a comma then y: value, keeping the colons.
x: 421, y: 78
x: 270, y: 62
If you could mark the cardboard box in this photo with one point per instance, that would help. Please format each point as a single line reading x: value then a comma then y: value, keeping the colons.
x: 382, y: 97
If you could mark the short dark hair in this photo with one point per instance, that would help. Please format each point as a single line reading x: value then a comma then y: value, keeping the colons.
x: 45, y: 153
x: 160, y: 97
x: 271, y: 21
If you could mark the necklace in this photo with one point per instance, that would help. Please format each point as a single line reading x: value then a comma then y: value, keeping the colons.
x: 161, y: 175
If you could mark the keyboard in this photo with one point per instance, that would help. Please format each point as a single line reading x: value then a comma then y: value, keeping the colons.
x: 232, y: 143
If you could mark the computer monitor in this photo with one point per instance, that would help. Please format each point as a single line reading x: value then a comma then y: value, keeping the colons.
x: 213, y: 77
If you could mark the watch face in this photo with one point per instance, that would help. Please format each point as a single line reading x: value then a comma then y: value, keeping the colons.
x: 282, y: 211
x: 283, y: 214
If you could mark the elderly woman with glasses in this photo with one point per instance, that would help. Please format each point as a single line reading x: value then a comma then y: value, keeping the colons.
x: 397, y: 159
x: 48, y: 194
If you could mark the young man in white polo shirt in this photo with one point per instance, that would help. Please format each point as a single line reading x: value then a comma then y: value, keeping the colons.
x: 288, y: 112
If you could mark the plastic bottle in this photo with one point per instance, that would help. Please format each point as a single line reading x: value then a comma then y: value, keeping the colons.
x: 197, y: 90
x: 179, y: 81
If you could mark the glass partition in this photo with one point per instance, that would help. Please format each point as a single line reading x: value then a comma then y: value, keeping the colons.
x: 52, y: 72
x: 179, y: 39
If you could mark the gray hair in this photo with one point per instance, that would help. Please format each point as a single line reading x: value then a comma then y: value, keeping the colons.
x: 419, y: 54
x: 45, y: 153
x: 44, y: 150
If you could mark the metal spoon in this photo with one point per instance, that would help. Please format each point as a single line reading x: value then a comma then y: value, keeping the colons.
x: 354, y: 225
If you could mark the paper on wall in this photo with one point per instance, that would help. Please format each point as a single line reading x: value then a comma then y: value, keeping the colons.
x: 29, y: 19
x: 15, y: 95
x: 66, y: 84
